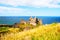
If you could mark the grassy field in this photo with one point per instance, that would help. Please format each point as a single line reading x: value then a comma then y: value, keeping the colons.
x: 43, y: 32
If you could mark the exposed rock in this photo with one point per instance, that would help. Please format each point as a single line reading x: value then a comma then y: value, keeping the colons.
x: 15, y: 25
x: 22, y: 21
x: 40, y: 22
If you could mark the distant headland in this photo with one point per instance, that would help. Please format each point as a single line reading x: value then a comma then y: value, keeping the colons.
x: 25, y: 25
x: 32, y: 21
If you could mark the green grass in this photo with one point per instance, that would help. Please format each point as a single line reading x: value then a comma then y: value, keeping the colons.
x: 3, y: 29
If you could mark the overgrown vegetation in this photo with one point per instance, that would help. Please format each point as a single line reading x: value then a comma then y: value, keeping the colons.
x: 43, y: 32
x: 20, y: 28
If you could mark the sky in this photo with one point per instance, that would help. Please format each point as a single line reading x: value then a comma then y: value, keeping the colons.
x: 29, y: 7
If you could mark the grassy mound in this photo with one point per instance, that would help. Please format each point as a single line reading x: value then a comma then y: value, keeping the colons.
x: 3, y: 29
x: 44, y: 32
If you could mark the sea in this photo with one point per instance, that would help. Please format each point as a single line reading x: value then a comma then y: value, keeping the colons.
x: 10, y: 20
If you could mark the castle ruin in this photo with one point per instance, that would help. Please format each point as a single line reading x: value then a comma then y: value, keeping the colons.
x: 33, y: 21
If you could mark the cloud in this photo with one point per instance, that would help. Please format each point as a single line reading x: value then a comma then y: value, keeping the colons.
x: 6, y: 11
x: 32, y: 3
x: 10, y: 9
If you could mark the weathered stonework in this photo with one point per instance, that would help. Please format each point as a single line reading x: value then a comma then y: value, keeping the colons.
x: 33, y: 21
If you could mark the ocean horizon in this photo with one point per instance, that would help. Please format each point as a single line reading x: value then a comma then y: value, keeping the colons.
x: 10, y: 20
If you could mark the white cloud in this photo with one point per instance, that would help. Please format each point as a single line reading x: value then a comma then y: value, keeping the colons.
x: 33, y: 3
x: 6, y: 11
